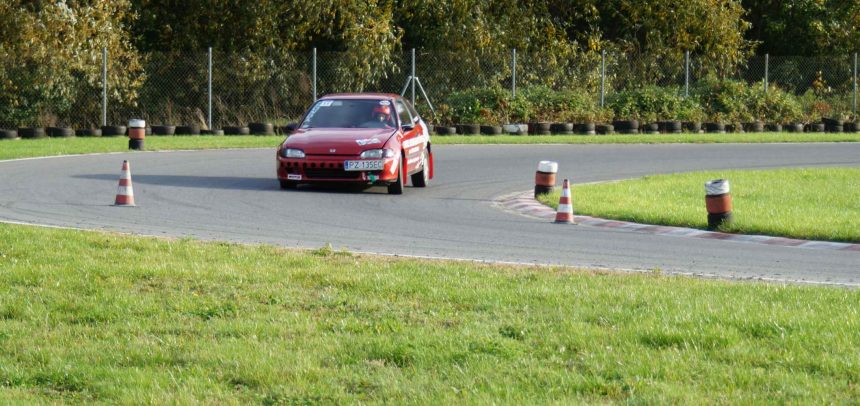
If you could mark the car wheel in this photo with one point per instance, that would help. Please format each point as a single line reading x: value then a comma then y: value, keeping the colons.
x: 396, y: 188
x: 422, y: 179
x: 287, y: 185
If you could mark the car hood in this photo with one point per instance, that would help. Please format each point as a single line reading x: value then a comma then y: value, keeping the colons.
x: 344, y: 141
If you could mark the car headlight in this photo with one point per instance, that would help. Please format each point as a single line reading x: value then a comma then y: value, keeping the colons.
x: 292, y: 153
x: 377, y: 154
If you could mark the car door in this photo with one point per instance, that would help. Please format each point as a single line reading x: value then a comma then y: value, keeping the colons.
x: 414, y: 140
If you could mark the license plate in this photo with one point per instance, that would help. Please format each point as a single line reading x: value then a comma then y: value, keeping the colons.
x: 364, y: 165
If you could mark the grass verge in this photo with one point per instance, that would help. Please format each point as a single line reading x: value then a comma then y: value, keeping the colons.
x: 90, y: 317
x: 749, y: 138
x: 82, y: 145
x: 806, y: 203
x: 86, y: 145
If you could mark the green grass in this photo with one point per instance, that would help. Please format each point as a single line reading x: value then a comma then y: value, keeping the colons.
x: 88, y: 317
x: 807, y: 203
x: 84, y: 145
x: 647, y: 139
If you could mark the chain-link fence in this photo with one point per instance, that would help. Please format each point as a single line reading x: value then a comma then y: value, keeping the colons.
x: 216, y: 89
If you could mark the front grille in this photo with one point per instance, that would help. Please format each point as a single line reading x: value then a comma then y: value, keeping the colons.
x: 331, y: 173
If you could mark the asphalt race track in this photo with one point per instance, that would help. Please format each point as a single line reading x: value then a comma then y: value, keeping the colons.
x: 233, y: 195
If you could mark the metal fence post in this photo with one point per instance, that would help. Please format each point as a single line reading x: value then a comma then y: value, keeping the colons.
x: 855, y: 85
x: 602, y: 77
x: 209, y: 92
x: 686, y: 73
x: 413, y: 76
x: 514, y: 74
x: 104, y: 86
x: 314, y: 68
x: 766, y: 66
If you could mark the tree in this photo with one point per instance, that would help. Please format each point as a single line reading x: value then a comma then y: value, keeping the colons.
x: 51, y: 60
x: 805, y: 27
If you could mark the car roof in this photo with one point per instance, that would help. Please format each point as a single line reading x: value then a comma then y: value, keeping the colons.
x: 373, y: 96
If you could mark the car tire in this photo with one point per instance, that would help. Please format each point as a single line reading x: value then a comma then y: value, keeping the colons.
x: 288, y: 185
x: 396, y: 188
x: 422, y: 178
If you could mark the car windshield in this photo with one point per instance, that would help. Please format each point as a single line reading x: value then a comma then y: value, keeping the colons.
x: 350, y: 113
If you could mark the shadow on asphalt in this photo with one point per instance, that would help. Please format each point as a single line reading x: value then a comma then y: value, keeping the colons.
x: 232, y: 183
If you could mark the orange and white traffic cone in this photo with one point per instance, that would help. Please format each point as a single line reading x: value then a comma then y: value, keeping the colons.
x: 124, y: 193
x: 564, y: 213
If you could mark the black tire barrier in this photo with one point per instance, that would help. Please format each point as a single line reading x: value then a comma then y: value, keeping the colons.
x: 8, y: 134
x: 774, y: 127
x: 692, y: 126
x: 468, y: 129
x: 671, y: 127
x: 605, y: 129
x: 626, y: 126
x: 715, y: 220
x: 815, y: 127
x: 31, y: 133
x: 212, y: 132
x: 540, y: 128
x: 651, y: 128
x: 113, y: 130
x: 718, y: 203
x: 188, y: 130
x: 587, y: 128
x: 136, y: 145
x: 88, y: 132
x: 60, y: 132
x: 491, y: 130
x: 734, y: 128
x: 835, y: 129
x: 445, y: 130
x: 796, y: 128
x: 561, y: 128
x: 754, y: 127
x: 545, y: 177
x: 236, y: 131
x: 832, y: 122
x: 717, y: 128
x: 851, y: 127
x: 163, y: 129
x: 261, y: 128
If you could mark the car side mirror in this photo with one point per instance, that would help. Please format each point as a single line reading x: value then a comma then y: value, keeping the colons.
x: 407, y: 127
x: 291, y: 128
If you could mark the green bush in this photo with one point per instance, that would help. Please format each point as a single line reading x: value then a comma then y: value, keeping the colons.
x: 777, y: 106
x: 652, y: 103
x: 724, y: 99
x: 735, y: 101
x: 490, y: 106
x: 561, y: 105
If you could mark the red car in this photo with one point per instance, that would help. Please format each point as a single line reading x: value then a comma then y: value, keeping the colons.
x: 372, y: 139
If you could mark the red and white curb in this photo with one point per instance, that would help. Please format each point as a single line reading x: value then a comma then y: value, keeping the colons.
x: 525, y: 204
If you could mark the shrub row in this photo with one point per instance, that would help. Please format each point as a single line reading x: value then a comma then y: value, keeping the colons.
x: 158, y: 130
x: 714, y: 100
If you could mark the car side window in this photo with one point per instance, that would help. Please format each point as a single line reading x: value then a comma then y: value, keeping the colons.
x: 403, y: 113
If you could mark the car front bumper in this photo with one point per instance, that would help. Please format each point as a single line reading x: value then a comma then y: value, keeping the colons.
x: 315, y: 168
